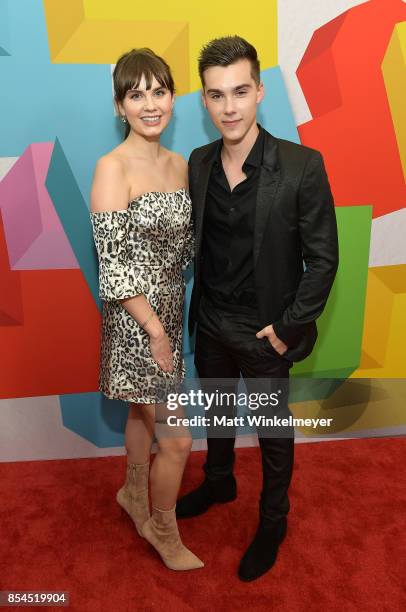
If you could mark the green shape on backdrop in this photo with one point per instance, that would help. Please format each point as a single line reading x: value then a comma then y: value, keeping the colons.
x: 338, y: 348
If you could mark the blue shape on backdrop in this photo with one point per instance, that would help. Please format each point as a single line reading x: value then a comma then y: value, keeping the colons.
x: 4, y: 29
x: 188, y: 342
x: 95, y: 418
x: 275, y: 113
x: 74, y: 216
x: 73, y: 102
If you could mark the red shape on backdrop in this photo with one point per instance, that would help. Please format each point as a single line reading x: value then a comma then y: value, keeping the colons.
x: 11, y: 308
x: 319, y: 59
x: 50, y: 324
x: 341, y: 77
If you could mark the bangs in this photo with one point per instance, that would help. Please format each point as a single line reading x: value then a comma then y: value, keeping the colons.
x: 149, y: 77
x: 133, y: 66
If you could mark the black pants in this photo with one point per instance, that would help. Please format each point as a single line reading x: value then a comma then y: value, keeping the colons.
x: 226, y: 346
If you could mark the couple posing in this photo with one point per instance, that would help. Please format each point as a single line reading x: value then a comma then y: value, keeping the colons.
x: 257, y: 215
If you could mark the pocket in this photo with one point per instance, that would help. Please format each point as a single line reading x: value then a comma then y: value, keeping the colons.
x: 267, y: 346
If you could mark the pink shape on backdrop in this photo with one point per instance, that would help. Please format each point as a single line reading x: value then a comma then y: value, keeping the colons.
x: 34, y: 234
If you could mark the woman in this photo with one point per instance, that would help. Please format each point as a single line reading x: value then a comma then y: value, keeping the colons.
x: 141, y: 219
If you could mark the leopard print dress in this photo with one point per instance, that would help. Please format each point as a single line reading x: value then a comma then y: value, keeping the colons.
x: 142, y: 250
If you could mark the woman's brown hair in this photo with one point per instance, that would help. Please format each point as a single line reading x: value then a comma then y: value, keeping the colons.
x: 135, y: 64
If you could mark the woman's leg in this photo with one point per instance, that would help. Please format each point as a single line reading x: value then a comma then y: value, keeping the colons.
x: 174, y: 444
x: 161, y: 530
x: 133, y: 495
x: 139, y: 433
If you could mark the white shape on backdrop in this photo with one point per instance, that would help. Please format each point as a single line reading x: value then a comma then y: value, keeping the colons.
x: 31, y: 428
x: 112, y: 66
x: 297, y: 20
x: 6, y: 163
x: 388, y: 245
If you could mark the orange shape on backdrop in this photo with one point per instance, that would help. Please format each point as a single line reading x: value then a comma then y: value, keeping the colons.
x: 341, y: 77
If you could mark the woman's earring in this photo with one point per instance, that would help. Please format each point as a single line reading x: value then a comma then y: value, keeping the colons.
x: 123, y: 119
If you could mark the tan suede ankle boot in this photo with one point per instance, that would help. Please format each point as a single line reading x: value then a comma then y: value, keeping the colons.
x: 133, y: 496
x: 161, y: 530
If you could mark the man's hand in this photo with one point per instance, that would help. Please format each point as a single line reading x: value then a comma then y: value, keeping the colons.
x: 268, y: 332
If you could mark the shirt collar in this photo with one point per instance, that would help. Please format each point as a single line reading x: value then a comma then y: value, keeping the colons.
x: 255, y: 156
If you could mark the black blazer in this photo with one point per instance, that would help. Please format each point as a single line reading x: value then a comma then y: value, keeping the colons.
x: 295, y: 226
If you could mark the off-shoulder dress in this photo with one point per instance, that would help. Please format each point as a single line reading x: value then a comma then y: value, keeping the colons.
x: 142, y: 250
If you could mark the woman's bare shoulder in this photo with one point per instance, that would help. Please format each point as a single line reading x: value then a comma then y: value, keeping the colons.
x: 109, y: 188
x: 178, y: 160
x: 180, y: 167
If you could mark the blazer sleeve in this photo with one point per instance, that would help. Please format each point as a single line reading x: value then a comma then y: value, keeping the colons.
x: 191, y: 181
x: 118, y: 277
x: 319, y: 243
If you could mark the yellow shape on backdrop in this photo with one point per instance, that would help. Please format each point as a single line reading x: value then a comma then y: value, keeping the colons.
x: 384, y: 339
x: 99, y: 31
x: 374, y: 396
x: 394, y: 74
x: 357, y: 406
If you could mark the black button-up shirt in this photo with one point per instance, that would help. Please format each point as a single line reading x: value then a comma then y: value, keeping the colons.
x: 228, y: 234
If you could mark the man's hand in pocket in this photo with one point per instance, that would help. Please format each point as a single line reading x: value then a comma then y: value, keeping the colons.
x: 268, y: 332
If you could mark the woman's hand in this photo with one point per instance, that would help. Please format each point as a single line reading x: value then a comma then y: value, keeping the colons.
x: 161, y: 351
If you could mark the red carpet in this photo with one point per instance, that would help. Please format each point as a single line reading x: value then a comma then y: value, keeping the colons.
x: 61, y: 529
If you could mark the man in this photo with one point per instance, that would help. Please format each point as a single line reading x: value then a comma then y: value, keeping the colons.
x: 262, y: 208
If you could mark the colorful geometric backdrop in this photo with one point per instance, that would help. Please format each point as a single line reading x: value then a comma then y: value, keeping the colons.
x: 335, y: 76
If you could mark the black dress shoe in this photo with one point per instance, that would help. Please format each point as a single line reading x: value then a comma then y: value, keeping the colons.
x: 261, y: 554
x: 208, y: 493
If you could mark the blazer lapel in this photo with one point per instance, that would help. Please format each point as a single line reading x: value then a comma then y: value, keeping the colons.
x: 199, y: 193
x: 268, y: 184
